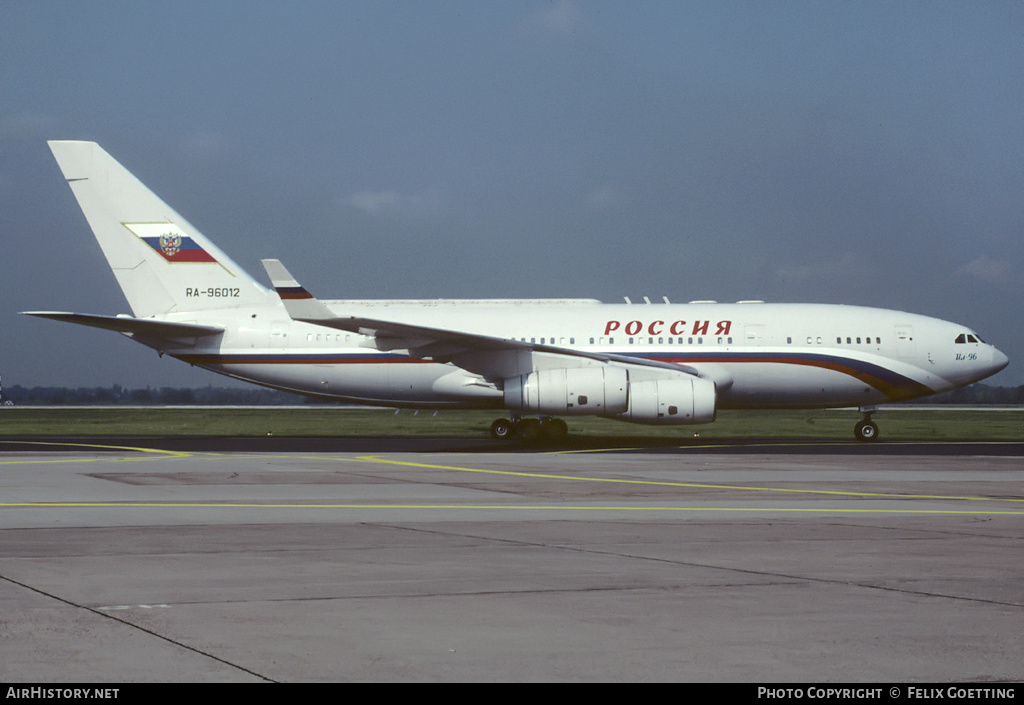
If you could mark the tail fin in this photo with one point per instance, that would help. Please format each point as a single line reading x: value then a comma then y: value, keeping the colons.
x: 163, y: 264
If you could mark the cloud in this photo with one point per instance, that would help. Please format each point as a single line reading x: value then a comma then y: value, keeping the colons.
x: 603, y: 198
x: 847, y: 267
x: 987, y: 269
x: 391, y: 203
x: 204, y: 145
x: 563, y: 18
x: 28, y: 125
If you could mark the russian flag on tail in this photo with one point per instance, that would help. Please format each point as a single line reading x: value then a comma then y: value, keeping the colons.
x: 170, y: 243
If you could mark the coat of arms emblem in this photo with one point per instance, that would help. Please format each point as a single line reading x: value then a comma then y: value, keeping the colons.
x: 170, y: 243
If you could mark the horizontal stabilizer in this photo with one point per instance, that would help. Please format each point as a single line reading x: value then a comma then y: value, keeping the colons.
x: 132, y: 326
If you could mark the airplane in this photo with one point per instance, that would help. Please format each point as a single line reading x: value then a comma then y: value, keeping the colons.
x: 538, y: 360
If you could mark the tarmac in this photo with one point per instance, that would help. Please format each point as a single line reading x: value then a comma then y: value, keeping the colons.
x: 383, y: 560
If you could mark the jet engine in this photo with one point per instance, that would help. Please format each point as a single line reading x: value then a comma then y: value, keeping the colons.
x: 609, y: 391
x: 602, y: 391
x: 678, y: 400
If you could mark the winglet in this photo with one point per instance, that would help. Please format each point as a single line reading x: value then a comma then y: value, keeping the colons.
x: 299, y: 303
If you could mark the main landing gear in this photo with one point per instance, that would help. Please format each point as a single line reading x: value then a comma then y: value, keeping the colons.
x: 866, y: 430
x: 530, y: 429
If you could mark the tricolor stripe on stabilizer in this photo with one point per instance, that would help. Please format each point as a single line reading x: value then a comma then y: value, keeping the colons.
x: 292, y: 292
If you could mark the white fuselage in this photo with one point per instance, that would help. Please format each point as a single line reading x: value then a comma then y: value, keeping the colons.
x: 758, y: 355
x: 648, y: 363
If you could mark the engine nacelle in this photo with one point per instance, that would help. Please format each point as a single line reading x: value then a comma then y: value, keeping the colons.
x: 579, y: 391
x: 686, y: 400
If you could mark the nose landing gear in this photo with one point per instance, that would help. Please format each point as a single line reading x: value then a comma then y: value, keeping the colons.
x: 866, y: 430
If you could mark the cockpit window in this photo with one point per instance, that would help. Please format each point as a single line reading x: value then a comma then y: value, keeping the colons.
x: 968, y: 338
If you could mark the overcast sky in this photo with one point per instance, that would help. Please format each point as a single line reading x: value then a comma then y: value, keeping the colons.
x: 840, y: 152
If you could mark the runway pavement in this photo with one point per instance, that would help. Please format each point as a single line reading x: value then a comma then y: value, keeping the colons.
x: 458, y: 560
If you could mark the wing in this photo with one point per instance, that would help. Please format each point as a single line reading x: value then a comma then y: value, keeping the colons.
x: 485, y: 355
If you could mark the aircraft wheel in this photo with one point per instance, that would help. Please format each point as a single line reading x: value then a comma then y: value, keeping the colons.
x: 528, y: 430
x: 866, y: 431
x: 555, y: 430
x: 501, y: 429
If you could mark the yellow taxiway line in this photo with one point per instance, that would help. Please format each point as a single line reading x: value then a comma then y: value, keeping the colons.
x: 154, y: 453
x: 697, y: 485
x: 490, y: 507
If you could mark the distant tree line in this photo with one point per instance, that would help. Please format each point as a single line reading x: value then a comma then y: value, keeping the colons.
x: 259, y: 396
x: 976, y: 394
x: 149, y: 396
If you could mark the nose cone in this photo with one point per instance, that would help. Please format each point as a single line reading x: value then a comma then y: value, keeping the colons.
x: 999, y: 361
